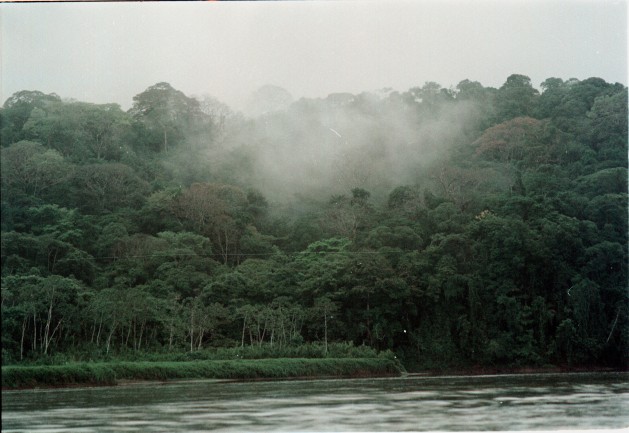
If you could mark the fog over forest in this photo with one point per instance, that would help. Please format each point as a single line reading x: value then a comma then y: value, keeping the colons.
x: 454, y: 227
x: 317, y: 147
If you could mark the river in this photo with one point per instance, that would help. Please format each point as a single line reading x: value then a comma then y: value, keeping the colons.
x: 413, y: 403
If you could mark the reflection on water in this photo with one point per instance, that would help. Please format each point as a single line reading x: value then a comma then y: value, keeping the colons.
x: 505, y: 402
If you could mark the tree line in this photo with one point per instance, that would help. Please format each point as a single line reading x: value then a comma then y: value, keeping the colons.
x: 460, y: 226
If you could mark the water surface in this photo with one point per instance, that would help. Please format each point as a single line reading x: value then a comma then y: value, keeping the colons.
x: 414, y: 403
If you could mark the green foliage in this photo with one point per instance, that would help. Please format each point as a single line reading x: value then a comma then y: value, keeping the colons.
x: 111, y: 373
x: 516, y: 97
x: 165, y: 117
x: 453, y: 227
x: 17, y: 110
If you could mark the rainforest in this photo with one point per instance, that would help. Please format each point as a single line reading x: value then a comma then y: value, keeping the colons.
x: 447, y: 228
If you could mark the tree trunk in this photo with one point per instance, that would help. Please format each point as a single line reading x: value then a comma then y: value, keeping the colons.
x: 369, y: 322
x: 126, y: 341
x: 48, y: 321
x: 171, y: 336
x: 141, y: 333
x: 111, y: 333
x: 100, y: 326
x: 201, y: 332
x: 191, y: 330
x: 48, y: 340
x: 34, y: 332
x: 22, y: 338
x: 135, y: 340
x: 225, y: 248
x: 242, y: 341
x: 613, y: 327
x: 93, y: 332
x: 325, y: 331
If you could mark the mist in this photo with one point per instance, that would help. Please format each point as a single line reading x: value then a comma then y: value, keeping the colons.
x: 311, y: 98
x: 319, y: 147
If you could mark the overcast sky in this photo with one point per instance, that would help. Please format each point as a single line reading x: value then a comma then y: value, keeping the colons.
x: 109, y: 52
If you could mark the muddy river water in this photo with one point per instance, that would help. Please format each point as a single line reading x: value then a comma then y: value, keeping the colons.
x: 413, y: 403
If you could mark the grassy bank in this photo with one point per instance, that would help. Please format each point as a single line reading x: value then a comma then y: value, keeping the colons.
x: 109, y: 373
x: 264, y: 351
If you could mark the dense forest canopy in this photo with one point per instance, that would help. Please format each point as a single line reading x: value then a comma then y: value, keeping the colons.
x: 459, y: 226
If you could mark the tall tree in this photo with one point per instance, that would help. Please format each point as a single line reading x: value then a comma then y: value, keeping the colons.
x: 17, y: 110
x: 166, y: 116
x: 516, y: 97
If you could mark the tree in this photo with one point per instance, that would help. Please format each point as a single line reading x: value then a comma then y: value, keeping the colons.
x: 608, y: 125
x: 165, y: 116
x: 268, y: 99
x: 320, y: 265
x: 29, y: 168
x: 49, y: 302
x: 399, y: 236
x: 51, y: 241
x: 108, y: 306
x: 429, y: 99
x: 479, y: 102
x: 325, y: 307
x: 516, y: 98
x: 59, y: 126
x: 406, y: 200
x: 553, y: 91
x: 107, y: 187
x: 570, y: 102
x: 105, y: 128
x: 156, y: 214
x: 17, y: 110
x: 202, y: 318
x: 347, y: 217
x: 512, y: 140
x: 217, y: 211
x: 220, y: 116
x: 457, y: 184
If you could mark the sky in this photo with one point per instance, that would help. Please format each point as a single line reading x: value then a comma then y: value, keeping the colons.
x: 109, y: 52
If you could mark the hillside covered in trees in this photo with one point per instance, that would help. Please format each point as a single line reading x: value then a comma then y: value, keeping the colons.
x: 469, y: 226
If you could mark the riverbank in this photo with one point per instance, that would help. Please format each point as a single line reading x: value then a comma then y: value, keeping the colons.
x: 491, y: 371
x: 111, y: 373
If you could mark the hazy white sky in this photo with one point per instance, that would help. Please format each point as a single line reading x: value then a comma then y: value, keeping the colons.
x: 109, y: 52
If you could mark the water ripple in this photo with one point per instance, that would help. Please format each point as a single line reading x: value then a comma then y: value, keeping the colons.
x: 551, y: 402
